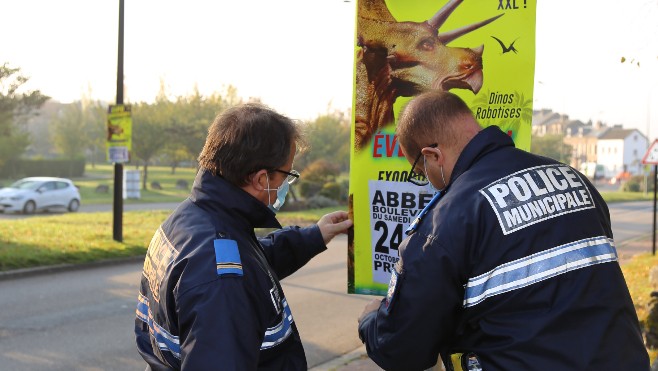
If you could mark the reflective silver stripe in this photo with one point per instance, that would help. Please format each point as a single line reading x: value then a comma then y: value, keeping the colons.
x: 277, y: 334
x: 538, y: 267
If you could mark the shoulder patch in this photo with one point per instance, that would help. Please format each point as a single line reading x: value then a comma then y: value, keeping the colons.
x: 227, y: 258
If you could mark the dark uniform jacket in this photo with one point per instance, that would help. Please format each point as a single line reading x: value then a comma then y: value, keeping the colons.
x: 515, y: 267
x: 210, y: 297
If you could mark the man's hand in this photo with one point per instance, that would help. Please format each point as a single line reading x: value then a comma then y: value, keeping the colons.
x: 371, y: 307
x: 333, y: 224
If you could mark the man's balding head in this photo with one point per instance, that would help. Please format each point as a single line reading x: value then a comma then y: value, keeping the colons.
x: 436, y: 117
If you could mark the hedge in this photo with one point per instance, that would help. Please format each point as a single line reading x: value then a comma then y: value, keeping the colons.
x: 43, y: 167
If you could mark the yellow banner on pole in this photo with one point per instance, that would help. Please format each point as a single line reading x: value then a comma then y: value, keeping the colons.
x: 481, y: 50
x: 119, y: 133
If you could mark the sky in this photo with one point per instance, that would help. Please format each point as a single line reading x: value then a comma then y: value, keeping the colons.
x: 297, y: 55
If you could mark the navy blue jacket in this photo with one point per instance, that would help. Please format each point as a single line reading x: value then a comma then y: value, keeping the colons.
x: 210, y: 296
x: 514, y: 266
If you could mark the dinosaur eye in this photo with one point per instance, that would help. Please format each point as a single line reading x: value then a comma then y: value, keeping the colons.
x: 427, y: 44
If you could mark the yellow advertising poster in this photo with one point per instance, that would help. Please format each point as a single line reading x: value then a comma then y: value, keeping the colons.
x: 119, y: 133
x: 481, y: 50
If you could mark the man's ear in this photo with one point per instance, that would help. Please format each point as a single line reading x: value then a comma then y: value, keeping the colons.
x: 258, y: 180
x: 432, y: 154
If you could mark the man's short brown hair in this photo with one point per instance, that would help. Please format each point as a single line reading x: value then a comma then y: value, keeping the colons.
x: 427, y: 119
x: 247, y: 138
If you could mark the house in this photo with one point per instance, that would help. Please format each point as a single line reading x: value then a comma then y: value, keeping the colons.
x: 621, y: 150
x: 583, y: 140
x: 609, y: 150
x: 547, y: 122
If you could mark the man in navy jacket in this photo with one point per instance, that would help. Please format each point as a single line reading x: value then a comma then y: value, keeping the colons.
x: 210, y: 297
x: 512, y: 265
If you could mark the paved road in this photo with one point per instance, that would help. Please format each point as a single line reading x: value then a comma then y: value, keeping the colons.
x: 82, y: 319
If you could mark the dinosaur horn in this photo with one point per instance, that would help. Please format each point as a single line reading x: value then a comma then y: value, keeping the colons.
x: 449, y: 36
x: 440, y: 17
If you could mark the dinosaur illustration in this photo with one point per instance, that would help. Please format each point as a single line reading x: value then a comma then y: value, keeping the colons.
x: 406, y: 58
x: 506, y: 49
x: 113, y: 130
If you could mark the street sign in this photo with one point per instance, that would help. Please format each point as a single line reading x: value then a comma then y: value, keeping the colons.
x: 651, y: 157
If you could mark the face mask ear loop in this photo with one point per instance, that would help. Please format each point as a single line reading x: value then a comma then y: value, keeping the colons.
x: 444, y: 179
x: 428, y: 178
x: 269, y: 199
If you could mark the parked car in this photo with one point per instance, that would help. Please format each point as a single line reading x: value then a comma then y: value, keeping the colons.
x: 39, y: 193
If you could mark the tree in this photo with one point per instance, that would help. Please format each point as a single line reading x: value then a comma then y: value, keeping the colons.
x: 176, y: 129
x: 552, y: 146
x: 15, y: 107
x: 328, y: 137
x: 80, y: 128
x: 194, y: 113
x: 150, y: 122
x: 67, y: 131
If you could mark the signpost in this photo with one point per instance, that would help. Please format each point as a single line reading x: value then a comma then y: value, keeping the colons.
x: 651, y: 158
x: 117, y: 209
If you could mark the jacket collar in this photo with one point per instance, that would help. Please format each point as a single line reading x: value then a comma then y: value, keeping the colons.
x: 484, y: 142
x: 216, y: 194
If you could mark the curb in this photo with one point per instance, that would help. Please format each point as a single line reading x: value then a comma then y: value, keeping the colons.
x: 37, y: 271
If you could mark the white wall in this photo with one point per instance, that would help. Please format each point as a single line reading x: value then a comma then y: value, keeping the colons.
x: 635, y: 146
x: 609, y: 153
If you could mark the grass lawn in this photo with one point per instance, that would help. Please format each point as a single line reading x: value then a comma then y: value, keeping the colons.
x: 626, y: 196
x: 636, y: 273
x: 104, y: 175
x: 81, y: 238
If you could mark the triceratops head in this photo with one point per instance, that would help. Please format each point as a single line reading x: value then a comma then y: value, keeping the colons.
x: 417, y: 55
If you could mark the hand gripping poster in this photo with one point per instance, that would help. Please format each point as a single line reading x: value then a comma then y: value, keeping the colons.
x: 481, y: 50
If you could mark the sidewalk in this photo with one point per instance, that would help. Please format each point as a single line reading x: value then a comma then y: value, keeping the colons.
x: 357, y: 360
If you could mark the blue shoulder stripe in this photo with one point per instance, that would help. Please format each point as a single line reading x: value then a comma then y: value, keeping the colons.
x: 227, y: 257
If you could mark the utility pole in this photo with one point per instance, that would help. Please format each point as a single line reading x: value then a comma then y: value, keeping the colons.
x: 117, y: 209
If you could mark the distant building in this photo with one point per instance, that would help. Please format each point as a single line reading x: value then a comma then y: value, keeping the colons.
x: 547, y: 122
x: 621, y: 150
x: 583, y: 140
x: 594, y: 145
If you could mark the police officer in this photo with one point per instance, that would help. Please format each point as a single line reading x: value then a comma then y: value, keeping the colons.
x: 210, y: 296
x: 512, y: 266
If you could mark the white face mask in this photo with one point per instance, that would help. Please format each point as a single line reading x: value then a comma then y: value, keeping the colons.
x: 281, y: 194
x: 436, y: 190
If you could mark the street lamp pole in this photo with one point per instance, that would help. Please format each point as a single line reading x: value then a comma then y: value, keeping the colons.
x: 117, y: 209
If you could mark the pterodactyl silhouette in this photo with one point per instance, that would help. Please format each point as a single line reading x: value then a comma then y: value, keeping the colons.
x: 506, y: 49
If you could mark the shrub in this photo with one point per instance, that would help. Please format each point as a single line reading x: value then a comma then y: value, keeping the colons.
x: 330, y: 190
x: 292, y: 205
x: 43, y: 167
x: 633, y: 185
x: 318, y: 202
x: 309, y: 188
x: 636, y: 184
x: 321, y: 171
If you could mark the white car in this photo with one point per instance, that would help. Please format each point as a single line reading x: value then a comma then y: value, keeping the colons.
x: 39, y: 193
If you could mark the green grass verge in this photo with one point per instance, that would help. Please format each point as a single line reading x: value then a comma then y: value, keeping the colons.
x: 83, y: 238
x: 619, y: 196
x: 636, y: 272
